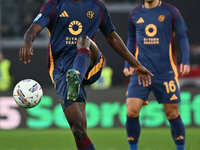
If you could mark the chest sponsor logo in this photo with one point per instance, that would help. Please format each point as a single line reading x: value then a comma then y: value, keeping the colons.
x: 161, y: 18
x: 151, y: 30
x: 75, y: 27
x: 90, y: 14
x: 64, y: 14
x: 140, y: 20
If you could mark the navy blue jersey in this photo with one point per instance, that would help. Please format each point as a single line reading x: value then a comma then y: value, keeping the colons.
x: 151, y: 38
x: 67, y: 20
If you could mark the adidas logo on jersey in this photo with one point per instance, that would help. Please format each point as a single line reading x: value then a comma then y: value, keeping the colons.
x: 174, y: 97
x: 64, y: 14
x: 141, y: 20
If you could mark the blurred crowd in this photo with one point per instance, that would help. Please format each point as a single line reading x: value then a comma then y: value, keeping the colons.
x: 17, y: 15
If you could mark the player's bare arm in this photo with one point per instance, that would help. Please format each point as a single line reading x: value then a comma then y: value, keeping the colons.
x: 26, y: 51
x: 118, y: 45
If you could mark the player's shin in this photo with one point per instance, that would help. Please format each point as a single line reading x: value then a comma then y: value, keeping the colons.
x: 82, y: 62
x: 133, y: 132
x: 178, y: 133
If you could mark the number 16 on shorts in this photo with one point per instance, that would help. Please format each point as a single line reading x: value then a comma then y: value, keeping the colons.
x: 170, y: 86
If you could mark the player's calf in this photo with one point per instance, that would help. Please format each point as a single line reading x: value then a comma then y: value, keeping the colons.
x: 82, y: 140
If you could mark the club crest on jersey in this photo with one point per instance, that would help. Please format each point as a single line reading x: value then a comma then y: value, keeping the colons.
x: 90, y: 14
x: 161, y: 18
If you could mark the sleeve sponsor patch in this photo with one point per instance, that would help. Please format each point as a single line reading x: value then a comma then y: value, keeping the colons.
x: 38, y: 17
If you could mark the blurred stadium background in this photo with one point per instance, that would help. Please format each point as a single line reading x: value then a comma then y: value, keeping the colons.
x: 106, y: 108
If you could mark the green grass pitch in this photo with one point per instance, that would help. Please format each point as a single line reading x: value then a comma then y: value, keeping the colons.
x: 104, y: 139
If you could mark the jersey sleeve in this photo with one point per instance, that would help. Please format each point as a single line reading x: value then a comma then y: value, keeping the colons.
x: 46, y: 13
x: 131, y: 38
x: 180, y: 26
x: 185, y: 48
x: 106, y: 26
x: 180, y: 30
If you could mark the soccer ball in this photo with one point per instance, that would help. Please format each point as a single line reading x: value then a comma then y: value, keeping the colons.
x: 27, y: 93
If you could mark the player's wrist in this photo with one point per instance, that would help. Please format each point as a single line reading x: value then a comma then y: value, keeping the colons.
x: 186, y: 63
x: 137, y: 65
x: 28, y: 43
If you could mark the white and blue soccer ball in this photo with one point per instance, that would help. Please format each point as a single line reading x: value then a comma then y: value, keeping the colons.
x: 27, y: 93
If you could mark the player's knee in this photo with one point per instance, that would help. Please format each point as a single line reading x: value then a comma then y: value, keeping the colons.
x: 132, y: 113
x: 172, y: 114
x: 79, y: 132
x: 83, y: 42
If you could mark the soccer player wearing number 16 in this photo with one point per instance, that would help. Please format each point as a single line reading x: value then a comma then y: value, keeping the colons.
x: 152, y: 27
x: 74, y: 58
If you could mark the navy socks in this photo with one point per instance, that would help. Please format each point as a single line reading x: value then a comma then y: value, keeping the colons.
x: 86, y: 144
x: 82, y: 62
x: 133, y: 132
x: 178, y: 132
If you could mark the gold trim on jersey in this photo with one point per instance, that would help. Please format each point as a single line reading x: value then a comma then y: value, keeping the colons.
x: 172, y: 61
x: 51, y: 69
x: 173, y: 65
x: 137, y: 52
x: 96, y: 68
x: 51, y: 62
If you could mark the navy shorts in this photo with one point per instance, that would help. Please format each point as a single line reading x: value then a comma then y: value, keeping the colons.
x: 166, y: 89
x: 92, y: 75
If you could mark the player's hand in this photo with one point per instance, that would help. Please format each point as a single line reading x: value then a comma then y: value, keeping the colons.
x: 128, y: 71
x: 144, y: 75
x: 184, y: 70
x: 25, y: 52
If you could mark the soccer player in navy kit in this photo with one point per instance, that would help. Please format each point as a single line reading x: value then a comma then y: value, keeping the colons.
x: 74, y: 59
x: 152, y: 27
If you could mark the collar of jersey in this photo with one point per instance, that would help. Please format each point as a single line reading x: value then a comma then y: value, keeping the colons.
x: 76, y: 2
